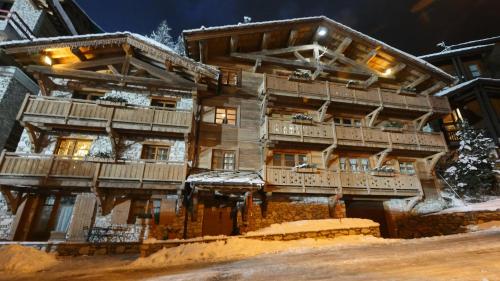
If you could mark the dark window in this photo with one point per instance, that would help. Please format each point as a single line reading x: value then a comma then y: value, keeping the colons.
x: 406, y: 168
x: 163, y: 102
x: 223, y: 159
x: 156, y: 210
x: 155, y: 152
x: 474, y: 70
x: 87, y: 95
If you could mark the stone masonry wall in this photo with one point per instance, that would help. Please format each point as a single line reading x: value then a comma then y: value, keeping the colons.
x: 414, y: 226
x: 6, y: 219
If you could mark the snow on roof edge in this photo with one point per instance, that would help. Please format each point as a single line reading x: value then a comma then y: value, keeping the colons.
x: 448, y: 52
x: 406, y: 55
x: 463, y: 85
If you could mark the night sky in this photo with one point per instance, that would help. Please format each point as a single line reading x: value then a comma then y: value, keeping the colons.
x: 415, y: 26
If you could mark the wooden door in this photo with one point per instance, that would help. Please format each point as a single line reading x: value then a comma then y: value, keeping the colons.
x: 217, y: 221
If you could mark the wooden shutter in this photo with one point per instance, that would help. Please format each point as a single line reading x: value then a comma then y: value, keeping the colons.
x: 121, y: 212
x: 83, y: 215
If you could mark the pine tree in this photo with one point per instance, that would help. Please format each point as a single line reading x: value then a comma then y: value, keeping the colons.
x: 472, y: 173
x: 162, y: 34
x: 179, y: 46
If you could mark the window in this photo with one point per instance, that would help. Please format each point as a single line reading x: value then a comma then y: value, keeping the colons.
x: 230, y: 77
x: 355, y: 165
x: 77, y: 148
x: 223, y: 160
x: 347, y: 121
x: 87, y: 95
x: 164, y: 102
x: 474, y: 70
x: 225, y: 115
x: 406, y: 168
x: 156, y: 210
x: 155, y: 152
x: 289, y: 159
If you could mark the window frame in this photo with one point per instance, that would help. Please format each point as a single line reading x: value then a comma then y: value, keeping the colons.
x: 296, y: 158
x: 475, y: 73
x: 226, y: 108
x: 90, y: 96
x: 348, y: 121
x: 228, y: 74
x: 164, y: 101
x: 60, y: 140
x: 404, y: 167
x: 222, y: 160
x: 156, y: 148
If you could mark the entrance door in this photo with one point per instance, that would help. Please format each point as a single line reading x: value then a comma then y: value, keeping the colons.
x: 217, y: 221
x: 41, y: 226
x: 373, y: 210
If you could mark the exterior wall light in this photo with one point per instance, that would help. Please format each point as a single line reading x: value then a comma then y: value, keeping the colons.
x: 47, y: 60
x: 322, y: 31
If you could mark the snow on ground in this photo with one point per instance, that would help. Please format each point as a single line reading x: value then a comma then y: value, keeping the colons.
x: 16, y: 258
x: 313, y: 225
x: 239, y: 248
x: 491, y: 205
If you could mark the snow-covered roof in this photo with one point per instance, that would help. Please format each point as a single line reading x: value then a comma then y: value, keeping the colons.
x: 226, y: 178
x: 464, y: 85
x: 338, y: 25
x: 139, y: 41
x: 456, y: 51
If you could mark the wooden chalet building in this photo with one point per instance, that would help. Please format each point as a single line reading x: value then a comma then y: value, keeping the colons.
x: 108, y: 141
x: 476, y: 65
x: 323, y: 113
x: 262, y: 123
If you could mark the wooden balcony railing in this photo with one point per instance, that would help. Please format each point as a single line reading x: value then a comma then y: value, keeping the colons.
x: 83, y: 113
x: 65, y: 172
x: 340, y: 93
x: 329, y: 133
x: 284, y: 179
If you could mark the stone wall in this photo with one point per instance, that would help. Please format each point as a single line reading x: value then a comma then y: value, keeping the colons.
x: 415, y: 226
x: 286, y: 209
x: 6, y: 219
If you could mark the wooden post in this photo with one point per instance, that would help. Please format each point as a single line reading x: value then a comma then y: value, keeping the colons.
x: 23, y: 107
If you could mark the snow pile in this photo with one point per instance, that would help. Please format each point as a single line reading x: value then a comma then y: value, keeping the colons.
x: 131, y: 98
x: 238, y: 248
x: 430, y: 206
x: 492, y: 205
x: 17, y: 258
x: 314, y: 225
x: 484, y: 226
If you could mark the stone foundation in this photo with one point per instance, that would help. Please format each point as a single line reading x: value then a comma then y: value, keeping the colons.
x: 414, y: 226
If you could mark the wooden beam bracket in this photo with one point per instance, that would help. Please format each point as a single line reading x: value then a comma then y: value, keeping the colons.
x: 381, y: 157
x: 371, y: 117
x: 422, y: 120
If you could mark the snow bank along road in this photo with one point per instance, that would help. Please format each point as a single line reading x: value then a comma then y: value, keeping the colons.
x: 472, y: 256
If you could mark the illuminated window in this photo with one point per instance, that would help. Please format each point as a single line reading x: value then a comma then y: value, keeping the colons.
x: 163, y: 102
x: 230, y: 77
x: 225, y: 115
x: 77, y: 148
x: 406, y: 168
x: 155, y: 152
x: 223, y: 160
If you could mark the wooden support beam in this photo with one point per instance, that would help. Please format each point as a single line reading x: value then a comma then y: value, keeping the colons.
x: 371, y: 117
x: 367, y: 83
x: 202, y: 45
x: 327, y: 153
x: 265, y: 41
x: 398, y: 68
x: 78, y: 53
x: 422, y: 120
x: 292, y: 37
x: 295, y: 63
x: 35, y: 136
x: 434, y: 88
x: 92, y: 63
x: 113, y: 70
x: 372, y: 54
x: 417, y: 82
x: 158, y: 72
x: 322, y: 111
x: 13, y: 200
x: 381, y: 156
x: 234, y: 43
x: 300, y: 57
x: 126, y: 62
x: 258, y: 63
x: 63, y: 16
x: 316, y: 73
x: 432, y: 161
x: 346, y: 42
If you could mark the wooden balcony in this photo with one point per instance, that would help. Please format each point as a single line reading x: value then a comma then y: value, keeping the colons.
x: 276, y: 85
x: 52, y: 171
x: 322, y: 181
x: 328, y: 133
x: 92, y: 115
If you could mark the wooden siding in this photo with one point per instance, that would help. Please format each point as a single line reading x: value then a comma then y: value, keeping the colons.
x: 285, y: 179
x: 328, y: 133
x: 60, y: 171
x: 82, y: 113
x: 335, y: 92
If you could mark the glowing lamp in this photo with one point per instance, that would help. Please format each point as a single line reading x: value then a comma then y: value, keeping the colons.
x: 388, y: 72
x: 322, y: 31
x: 47, y: 60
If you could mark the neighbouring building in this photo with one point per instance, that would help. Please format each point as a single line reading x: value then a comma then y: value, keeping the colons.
x: 476, y: 65
x: 261, y: 123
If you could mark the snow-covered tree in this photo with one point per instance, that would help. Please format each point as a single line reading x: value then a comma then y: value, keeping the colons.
x: 472, y: 173
x: 162, y: 34
x: 247, y: 19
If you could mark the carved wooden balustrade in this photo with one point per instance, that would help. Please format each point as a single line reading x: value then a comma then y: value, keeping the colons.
x: 54, y: 171
x: 286, y: 179
x: 328, y: 133
x: 95, y: 115
x: 335, y: 92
